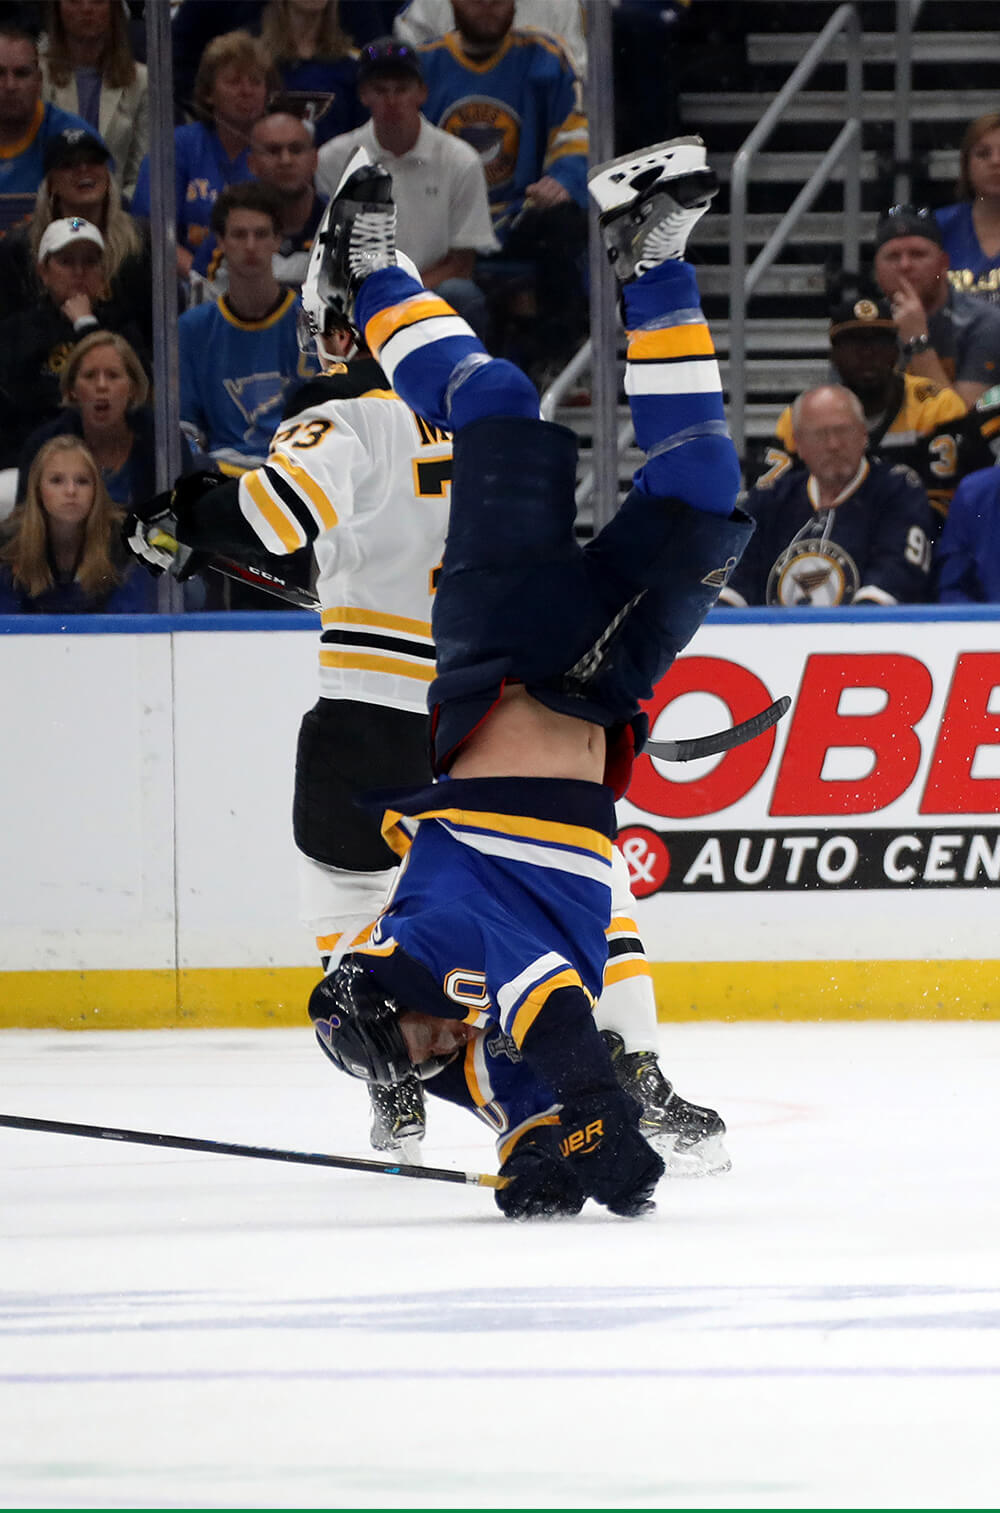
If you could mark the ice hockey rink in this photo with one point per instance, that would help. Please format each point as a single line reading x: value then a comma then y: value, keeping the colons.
x: 819, y: 1327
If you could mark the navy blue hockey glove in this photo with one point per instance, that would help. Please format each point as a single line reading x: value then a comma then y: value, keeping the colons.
x: 542, y: 1185
x: 601, y: 1142
x: 152, y: 529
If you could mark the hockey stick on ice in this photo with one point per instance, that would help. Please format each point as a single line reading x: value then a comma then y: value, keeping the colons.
x: 723, y: 740
x: 257, y: 1152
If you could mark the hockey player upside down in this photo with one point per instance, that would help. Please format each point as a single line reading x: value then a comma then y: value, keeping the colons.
x: 484, y: 966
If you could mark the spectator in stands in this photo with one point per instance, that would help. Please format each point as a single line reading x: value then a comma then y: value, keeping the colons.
x: 88, y: 67
x: 845, y: 529
x: 283, y: 157
x: 514, y: 96
x: 78, y: 182
x: 422, y: 21
x: 945, y: 335
x: 967, y: 557
x: 62, y: 551
x: 234, y: 79
x: 26, y: 123
x: 240, y: 355
x: 970, y: 229
x: 36, y: 341
x: 438, y: 183
x: 909, y: 419
x: 105, y: 395
x: 315, y: 58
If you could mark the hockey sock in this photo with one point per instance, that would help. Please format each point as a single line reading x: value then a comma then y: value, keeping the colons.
x: 675, y: 393
x: 627, y: 1003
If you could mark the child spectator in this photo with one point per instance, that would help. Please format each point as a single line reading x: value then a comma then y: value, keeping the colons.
x: 62, y: 551
x: 88, y: 67
x: 315, y: 59
x: 234, y: 79
x: 240, y: 355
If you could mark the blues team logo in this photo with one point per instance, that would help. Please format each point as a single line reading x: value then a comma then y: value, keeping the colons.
x: 493, y: 130
x: 814, y: 573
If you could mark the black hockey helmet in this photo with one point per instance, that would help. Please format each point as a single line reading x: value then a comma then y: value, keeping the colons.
x: 357, y: 1024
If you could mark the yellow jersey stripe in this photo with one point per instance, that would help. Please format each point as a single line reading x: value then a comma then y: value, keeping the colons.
x: 306, y: 486
x: 621, y: 969
x: 536, y: 1000
x: 345, y: 614
x: 288, y: 531
x: 327, y: 942
x: 674, y: 341
x: 622, y: 925
x: 360, y: 662
x: 387, y: 322
x: 522, y: 827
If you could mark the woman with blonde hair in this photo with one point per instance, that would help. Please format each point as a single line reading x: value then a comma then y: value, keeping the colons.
x: 78, y: 182
x: 105, y: 395
x: 234, y: 81
x: 62, y: 551
x: 317, y: 63
x: 88, y: 67
x: 970, y: 229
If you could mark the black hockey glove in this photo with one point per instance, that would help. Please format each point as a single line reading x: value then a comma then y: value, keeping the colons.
x: 542, y: 1184
x: 601, y: 1142
x: 153, y: 529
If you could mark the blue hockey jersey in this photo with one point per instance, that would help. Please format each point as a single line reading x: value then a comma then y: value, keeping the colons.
x: 967, y: 559
x: 874, y: 545
x: 522, y: 111
x: 234, y: 378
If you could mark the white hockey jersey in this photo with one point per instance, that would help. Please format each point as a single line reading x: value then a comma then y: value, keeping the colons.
x: 366, y: 483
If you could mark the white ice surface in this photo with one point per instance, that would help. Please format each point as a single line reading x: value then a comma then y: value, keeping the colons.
x: 820, y: 1327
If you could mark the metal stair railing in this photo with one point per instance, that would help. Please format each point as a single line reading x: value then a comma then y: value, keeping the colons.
x: 847, y: 145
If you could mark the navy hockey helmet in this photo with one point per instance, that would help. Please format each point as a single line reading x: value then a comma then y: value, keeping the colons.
x: 357, y: 1024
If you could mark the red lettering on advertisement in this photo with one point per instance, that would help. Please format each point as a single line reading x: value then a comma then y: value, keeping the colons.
x: 818, y: 727
x: 647, y: 857
x: 744, y: 695
x: 966, y: 726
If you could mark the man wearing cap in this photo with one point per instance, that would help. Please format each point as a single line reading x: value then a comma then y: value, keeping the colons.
x: 438, y: 180
x: 909, y: 419
x: 36, y: 340
x: 26, y: 123
x: 945, y: 335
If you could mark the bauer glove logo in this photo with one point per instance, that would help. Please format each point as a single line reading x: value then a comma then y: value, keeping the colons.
x: 581, y: 1142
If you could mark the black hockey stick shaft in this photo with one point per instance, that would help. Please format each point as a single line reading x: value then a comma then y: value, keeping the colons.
x: 256, y: 1152
x: 723, y: 740
x: 269, y: 579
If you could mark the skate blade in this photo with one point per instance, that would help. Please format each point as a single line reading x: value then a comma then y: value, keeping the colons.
x: 411, y: 1150
x: 709, y: 1158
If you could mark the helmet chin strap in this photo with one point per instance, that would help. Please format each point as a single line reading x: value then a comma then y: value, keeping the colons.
x: 330, y: 360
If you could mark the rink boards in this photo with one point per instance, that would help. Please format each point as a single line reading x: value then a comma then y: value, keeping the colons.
x: 844, y: 866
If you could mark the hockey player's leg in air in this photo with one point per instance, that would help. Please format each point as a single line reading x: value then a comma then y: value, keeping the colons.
x: 484, y: 968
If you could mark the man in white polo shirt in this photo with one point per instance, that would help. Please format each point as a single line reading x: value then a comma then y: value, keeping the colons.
x: 438, y: 180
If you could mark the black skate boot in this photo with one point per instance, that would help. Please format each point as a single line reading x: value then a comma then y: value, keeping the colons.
x: 649, y: 203
x: 358, y: 232
x: 398, y: 1119
x: 688, y: 1138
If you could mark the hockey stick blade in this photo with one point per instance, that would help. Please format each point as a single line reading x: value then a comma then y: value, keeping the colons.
x: 723, y: 740
x: 263, y: 578
x: 256, y: 1152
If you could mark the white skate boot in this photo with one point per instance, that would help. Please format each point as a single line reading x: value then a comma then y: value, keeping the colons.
x: 649, y: 203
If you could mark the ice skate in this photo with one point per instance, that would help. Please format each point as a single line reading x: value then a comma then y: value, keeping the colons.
x: 688, y: 1138
x: 398, y: 1119
x: 649, y: 203
x: 359, y: 234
